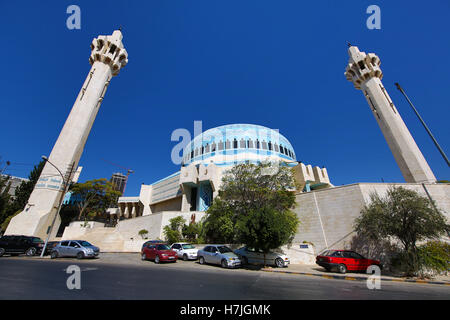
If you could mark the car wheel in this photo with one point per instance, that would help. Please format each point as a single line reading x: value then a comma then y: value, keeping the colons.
x: 2, y: 251
x: 143, y: 257
x: 157, y: 259
x: 342, y: 268
x: 327, y: 268
x: 279, y: 263
x: 185, y: 257
x: 30, y: 252
x: 54, y: 255
x: 224, y: 263
x: 80, y: 255
x: 244, y: 260
x: 201, y: 260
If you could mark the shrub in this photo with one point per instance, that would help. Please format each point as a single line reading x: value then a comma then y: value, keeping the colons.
x: 435, y: 256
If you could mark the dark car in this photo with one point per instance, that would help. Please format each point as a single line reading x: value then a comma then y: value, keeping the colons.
x: 50, y: 246
x: 158, y: 252
x: 19, y: 244
x: 344, y: 260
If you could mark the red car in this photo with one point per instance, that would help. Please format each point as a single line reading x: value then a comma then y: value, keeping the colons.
x: 158, y: 252
x: 344, y: 260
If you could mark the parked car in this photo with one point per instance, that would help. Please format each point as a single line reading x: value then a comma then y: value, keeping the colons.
x: 18, y: 244
x: 75, y: 248
x: 218, y: 254
x: 185, y: 250
x: 158, y: 252
x: 250, y: 255
x: 345, y: 260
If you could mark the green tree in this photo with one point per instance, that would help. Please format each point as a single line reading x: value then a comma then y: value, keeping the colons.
x: 402, y: 215
x: 22, y: 193
x: 94, y: 196
x: 254, y: 207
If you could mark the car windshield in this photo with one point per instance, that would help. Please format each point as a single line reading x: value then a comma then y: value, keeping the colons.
x: 329, y: 253
x: 162, y: 247
x: 85, y: 244
x: 224, y: 249
x: 37, y: 240
x: 188, y: 246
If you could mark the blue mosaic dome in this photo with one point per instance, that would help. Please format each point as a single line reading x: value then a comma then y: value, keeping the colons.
x: 238, y: 143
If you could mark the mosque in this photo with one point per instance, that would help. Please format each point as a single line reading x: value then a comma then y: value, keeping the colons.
x: 204, y: 161
x: 326, y: 212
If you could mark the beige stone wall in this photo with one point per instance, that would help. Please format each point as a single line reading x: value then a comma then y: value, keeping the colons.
x: 169, y: 205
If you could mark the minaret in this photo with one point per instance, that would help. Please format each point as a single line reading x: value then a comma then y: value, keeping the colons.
x: 108, y: 56
x: 365, y: 73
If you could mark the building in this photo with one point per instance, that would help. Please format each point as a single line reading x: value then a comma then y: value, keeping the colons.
x: 326, y: 212
x: 15, y: 182
x: 205, y: 158
x: 119, y: 181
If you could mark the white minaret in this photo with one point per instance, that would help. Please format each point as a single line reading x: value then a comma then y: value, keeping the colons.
x: 365, y: 73
x: 108, y: 56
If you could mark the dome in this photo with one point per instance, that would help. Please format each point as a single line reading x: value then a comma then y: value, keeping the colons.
x: 238, y: 143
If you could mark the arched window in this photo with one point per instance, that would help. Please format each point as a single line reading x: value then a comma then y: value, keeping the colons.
x: 207, y: 148
x: 213, y: 147
x: 257, y: 144
x: 235, y: 143
x: 264, y: 145
x: 270, y: 145
x: 250, y: 144
x: 228, y: 144
x: 242, y: 143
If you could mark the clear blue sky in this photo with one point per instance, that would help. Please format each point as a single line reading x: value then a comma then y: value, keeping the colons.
x: 278, y: 64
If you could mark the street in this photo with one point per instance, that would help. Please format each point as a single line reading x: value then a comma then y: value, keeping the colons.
x: 31, y: 278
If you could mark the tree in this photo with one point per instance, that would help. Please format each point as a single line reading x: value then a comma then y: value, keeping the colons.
x: 254, y: 207
x: 172, y: 231
x: 94, y: 196
x: 17, y: 203
x: 403, y: 215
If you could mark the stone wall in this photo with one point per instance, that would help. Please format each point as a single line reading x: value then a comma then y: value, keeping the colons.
x: 327, y: 216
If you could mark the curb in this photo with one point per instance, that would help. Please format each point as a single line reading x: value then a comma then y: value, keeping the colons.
x: 326, y: 276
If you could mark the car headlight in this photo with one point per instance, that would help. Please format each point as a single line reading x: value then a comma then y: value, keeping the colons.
x: 164, y: 255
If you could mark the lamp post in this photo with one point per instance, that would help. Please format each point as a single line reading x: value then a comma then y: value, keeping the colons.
x: 66, y: 186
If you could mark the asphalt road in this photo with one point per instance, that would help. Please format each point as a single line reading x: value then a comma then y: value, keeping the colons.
x: 30, y: 278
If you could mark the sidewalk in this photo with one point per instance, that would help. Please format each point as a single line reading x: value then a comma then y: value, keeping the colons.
x: 315, y: 270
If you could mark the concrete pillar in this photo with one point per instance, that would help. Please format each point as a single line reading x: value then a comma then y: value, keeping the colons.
x: 107, y: 58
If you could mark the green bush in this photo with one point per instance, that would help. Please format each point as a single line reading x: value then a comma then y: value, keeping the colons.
x: 435, y: 256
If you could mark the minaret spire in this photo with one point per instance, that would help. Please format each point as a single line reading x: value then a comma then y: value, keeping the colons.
x: 364, y: 71
x: 107, y: 58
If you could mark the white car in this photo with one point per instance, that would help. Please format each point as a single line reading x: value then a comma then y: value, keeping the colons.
x: 185, y: 250
x: 249, y: 255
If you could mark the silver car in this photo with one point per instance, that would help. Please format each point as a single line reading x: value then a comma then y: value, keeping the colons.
x: 252, y: 256
x: 75, y: 248
x: 218, y: 254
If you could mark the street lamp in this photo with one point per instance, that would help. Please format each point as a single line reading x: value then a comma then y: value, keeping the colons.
x: 423, y: 123
x: 66, y: 186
